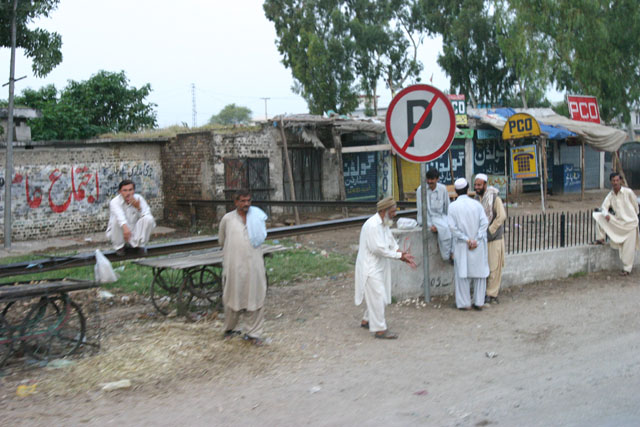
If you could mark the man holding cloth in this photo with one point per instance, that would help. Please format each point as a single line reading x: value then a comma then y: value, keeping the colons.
x: 618, y: 219
x: 437, y: 209
x: 373, y: 273
x: 468, y: 224
x: 496, y: 215
x: 244, y: 282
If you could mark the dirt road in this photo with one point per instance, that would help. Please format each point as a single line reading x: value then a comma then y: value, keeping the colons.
x: 565, y: 353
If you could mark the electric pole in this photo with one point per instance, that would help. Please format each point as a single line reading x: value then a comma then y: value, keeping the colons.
x: 194, y: 113
x: 265, y: 108
x: 8, y: 173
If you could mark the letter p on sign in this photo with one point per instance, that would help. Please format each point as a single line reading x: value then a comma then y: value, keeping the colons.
x: 583, y: 108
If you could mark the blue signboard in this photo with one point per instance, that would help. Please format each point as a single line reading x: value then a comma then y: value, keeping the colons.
x: 360, y: 176
x: 443, y: 166
x: 488, y: 157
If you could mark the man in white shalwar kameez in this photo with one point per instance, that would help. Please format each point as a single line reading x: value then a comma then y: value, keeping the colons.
x: 130, y: 219
x: 468, y: 224
x: 437, y: 210
x: 244, y: 282
x: 618, y: 219
x: 373, y: 273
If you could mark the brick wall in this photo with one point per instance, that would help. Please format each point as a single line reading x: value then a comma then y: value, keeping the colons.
x: 65, y: 188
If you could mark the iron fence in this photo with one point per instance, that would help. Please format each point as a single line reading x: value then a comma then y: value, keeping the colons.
x: 539, y: 232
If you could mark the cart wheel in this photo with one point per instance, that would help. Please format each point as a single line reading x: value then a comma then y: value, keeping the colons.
x: 165, y: 288
x: 54, y: 328
x: 6, y: 340
x: 206, y: 287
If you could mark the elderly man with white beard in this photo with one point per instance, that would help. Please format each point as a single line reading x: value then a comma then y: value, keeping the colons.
x: 373, y: 273
x: 468, y: 224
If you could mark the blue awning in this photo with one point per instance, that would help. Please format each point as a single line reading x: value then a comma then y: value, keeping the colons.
x: 552, y: 132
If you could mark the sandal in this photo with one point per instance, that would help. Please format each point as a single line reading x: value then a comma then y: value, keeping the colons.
x: 364, y: 324
x: 598, y: 242
x: 230, y: 334
x: 258, y: 342
x: 385, y: 335
x: 624, y: 273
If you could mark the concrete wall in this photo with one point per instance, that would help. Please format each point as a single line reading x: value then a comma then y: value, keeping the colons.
x: 64, y: 188
x: 520, y: 269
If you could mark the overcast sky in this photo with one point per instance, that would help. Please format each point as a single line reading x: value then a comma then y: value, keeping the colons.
x: 225, y: 47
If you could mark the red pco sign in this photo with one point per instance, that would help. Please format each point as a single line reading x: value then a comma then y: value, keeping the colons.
x: 583, y: 108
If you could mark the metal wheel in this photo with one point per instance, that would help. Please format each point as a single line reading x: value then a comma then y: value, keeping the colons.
x: 6, y: 340
x: 55, y: 327
x: 206, y: 287
x: 165, y: 289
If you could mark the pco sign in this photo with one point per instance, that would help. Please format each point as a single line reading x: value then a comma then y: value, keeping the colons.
x: 583, y: 108
x: 520, y: 125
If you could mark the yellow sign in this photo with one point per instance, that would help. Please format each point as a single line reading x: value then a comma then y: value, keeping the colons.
x: 524, y: 162
x: 520, y: 125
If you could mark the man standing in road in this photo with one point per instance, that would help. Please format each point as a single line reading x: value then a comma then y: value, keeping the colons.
x: 244, y: 282
x: 468, y: 224
x: 494, y: 209
x: 130, y: 220
x: 618, y: 219
x: 373, y: 273
x: 437, y: 209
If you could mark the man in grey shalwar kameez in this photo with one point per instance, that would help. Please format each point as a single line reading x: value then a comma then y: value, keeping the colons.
x: 244, y: 282
x: 437, y: 210
x: 468, y: 224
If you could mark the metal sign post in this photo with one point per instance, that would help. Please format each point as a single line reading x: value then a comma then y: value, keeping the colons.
x: 425, y: 232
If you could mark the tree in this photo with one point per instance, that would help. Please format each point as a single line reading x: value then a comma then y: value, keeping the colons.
x: 43, y: 47
x: 594, y: 48
x: 103, y: 104
x: 231, y: 114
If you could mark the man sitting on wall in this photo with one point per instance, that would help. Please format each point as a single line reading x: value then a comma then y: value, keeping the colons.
x: 618, y: 219
x: 130, y: 220
x: 437, y: 210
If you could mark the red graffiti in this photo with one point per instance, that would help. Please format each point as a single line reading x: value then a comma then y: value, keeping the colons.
x: 53, y: 177
x: 85, y: 178
x: 17, y: 179
x: 37, y: 195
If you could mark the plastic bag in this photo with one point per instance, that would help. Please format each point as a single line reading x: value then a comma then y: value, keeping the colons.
x: 407, y: 223
x: 256, y: 228
x: 103, y: 272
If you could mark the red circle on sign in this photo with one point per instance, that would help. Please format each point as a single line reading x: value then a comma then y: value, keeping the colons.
x: 399, y: 146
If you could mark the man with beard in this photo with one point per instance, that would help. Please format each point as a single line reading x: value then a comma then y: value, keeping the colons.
x: 496, y: 215
x: 373, y: 273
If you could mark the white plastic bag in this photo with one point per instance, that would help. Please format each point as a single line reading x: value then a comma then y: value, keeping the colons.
x: 407, y: 223
x: 103, y: 271
x: 256, y: 227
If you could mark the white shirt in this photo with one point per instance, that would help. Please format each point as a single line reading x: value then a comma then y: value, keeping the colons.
x: 121, y: 213
x: 467, y: 221
x: 438, y: 205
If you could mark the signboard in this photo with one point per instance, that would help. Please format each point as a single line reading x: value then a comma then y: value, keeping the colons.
x: 464, y: 133
x: 444, y: 167
x: 420, y: 123
x: 360, y: 176
x: 459, y: 108
x: 524, y: 162
x: 489, y: 134
x: 583, y: 108
x: 489, y: 157
x: 520, y: 125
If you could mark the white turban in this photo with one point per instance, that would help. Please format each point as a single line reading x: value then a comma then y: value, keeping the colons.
x: 482, y: 177
x: 460, y: 183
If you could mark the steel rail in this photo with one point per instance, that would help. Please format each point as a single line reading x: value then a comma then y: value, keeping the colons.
x: 314, y: 203
x: 84, y: 259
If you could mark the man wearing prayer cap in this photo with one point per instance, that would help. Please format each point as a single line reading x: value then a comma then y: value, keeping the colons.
x: 468, y: 224
x: 496, y: 215
x: 373, y: 273
x: 438, y: 198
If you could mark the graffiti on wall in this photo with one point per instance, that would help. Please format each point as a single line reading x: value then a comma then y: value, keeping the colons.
x: 360, y: 176
x: 84, y: 187
x: 443, y: 165
x: 488, y: 157
x: 385, y: 171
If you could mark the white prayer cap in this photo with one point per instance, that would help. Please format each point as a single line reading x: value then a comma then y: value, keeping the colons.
x: 482, y: 177
x: 460, y: 183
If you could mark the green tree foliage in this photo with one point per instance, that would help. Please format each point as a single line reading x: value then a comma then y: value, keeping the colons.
x: 43, y: 47
x: 594, y: 48
x: 336, y: 49
x: 471, y: 53
x: 103, y: 104
x: 231, y: 114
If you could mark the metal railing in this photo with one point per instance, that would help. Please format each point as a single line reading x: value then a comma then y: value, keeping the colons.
x: 539, y: 232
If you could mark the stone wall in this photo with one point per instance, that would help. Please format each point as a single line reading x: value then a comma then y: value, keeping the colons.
x: 64, y: 188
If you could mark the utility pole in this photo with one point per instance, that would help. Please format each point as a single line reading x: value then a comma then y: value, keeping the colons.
x: 266, y: 117
x: 8, y: 173
x: 194, y: 113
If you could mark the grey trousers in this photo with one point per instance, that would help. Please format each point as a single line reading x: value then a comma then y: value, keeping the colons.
x: 252, y: 322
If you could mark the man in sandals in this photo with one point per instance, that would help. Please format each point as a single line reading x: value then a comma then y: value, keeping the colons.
x: 244, y: 282
x: 373, y: 273
x: 618, y: 219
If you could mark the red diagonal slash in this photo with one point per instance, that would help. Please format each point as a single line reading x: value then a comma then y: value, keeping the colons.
x: 419, y: 124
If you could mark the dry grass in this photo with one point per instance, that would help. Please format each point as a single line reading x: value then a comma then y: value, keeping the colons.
x: 171, y: 131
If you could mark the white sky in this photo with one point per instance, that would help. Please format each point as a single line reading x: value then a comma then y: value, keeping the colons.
x: 225, y: 47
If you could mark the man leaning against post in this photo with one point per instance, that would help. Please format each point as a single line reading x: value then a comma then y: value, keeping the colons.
x: 373, y: 273
x: 244, y: 282
x: 437, y: 210
x: 617, y: 218
x: 130, y: 220
x: 489, y: 197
